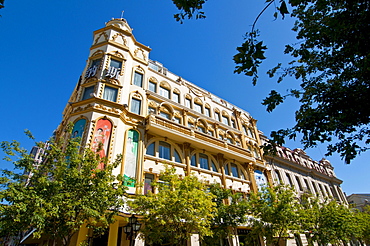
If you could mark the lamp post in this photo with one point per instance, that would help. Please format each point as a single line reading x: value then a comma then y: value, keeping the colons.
x: 131, y: 229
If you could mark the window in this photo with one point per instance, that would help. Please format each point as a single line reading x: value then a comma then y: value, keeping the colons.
x: 217, y: 116
x: 138, y: 79
x: 95, y: 62
x: 307, y: 186
x: 165, y: 115
x: 299, y: 183
x: 278, y: 177
x: 153, y: 86
x: 214, y: 168
x: 176, y: 97
x: 289, y: 179
x: 151, y: 110
x: 193, y: 161
x: 149, y: 178
x: 164, y: 150
x: 115, y: 63
x: 150, y: 150
x: 135, y: 106
x: 207, y: 112
x: 234, y: 170
x: 188, y: 102
x: 88, y: 92
x: 256, y: 154
x: 229, y: 140
x: 191, y: 125
x: 211, y: 133
x: 233, y: 123
x: 110, y: 93
x: 227, y: 171
x: 177, y: 120
x: 164, y: 92
x: 245, y: 130
x: 203, y: 161
x: 225, y: 120
x: 201, y: 129
x: 315, y: 188
x: 198, y: 108
x: 250, y: 133
x: 177, y: 156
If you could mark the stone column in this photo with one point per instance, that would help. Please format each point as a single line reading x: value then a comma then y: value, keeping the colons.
x: 187, y: 157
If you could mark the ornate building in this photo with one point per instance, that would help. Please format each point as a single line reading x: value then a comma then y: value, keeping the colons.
x: 135, y: 107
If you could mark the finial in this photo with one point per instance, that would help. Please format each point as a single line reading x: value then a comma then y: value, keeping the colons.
x: 122, y: 14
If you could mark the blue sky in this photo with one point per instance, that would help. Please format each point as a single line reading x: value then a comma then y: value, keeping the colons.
x: 44, y: 46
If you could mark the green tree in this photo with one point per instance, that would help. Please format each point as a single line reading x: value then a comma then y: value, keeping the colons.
x: 362, y: 220
x: 275, y: 213
x: 178, y: 208
x: 330, y: 59
x: 326, y: 221
x: 58, y: 195
x: 230, y: 213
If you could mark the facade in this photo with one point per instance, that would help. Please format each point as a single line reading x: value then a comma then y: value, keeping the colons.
x: 359, y: 201
x: 134, y: 106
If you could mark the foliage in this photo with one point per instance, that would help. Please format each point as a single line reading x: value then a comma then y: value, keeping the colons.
x: 362, y: 219
x: 59, y: 194
x: 180, y: 207
x: 230, y: 213
x: 275, y: 213
x: 2, y: 4
x: 331, y: 62
x: 327, y: 221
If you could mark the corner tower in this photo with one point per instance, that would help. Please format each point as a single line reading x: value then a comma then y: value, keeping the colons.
x: 98, y: 106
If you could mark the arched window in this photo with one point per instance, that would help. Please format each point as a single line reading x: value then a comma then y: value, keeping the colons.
x: 164, y: 150
x: 232, y: 169
x: 135, y: 106
x: 203, y: 161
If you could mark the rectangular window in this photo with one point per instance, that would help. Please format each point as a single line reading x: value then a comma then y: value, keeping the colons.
x: 278, y: 177
x: 176, y: 97
x: 210, y: 133
x: 198, y: 108
x: 188, y: 102
x: 165, y: 115
x: 203, y: 161
x: 299, y: 183
x: 164, y: 150
x: 88, y: 92
x: 95, y: 62
x: 201, y: 129
x: 110, y: 93
x: 233, y: 123
x: 152, y: 86
x: 138, y: 79
x: 135, y: 106
x: 207, y: 112
x: 289, y: 180
x: 307, y: 186
x: 225, y: 120
x: 217, y: 116
x: 245, y: 130
x: 177, y: 120
x: 115, y: 63
x: 234, y: 170
x: 149, y: 178
x: 151, y: 110
x: 164, y: 92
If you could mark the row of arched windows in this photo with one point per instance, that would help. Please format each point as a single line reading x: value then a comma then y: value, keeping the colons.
x: 168, y: 151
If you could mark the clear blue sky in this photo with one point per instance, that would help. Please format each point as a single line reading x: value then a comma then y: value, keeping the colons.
x: 44, y: 46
